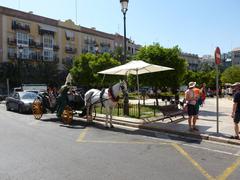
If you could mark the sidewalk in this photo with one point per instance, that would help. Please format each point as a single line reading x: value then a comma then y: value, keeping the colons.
x: 207, y: 123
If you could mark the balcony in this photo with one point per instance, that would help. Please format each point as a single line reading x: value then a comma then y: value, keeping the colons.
x: 102, y: 44
x: 12, y: 41
x: 56, y: 59
x: 32, y: 43
x: 39, y: 45
x: 55, y: 47
x: 12, y: 56
x: 87, y: 41
x: 84, y: 51
x: 20, y: 26
x: 70, y: 50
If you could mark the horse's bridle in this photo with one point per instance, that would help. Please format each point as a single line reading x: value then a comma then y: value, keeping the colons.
x: 122, y: 87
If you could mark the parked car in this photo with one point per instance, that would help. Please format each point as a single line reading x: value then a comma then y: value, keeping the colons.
x: 20, y: 101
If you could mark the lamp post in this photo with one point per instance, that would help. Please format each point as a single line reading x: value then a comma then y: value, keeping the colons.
x: 124, y: 4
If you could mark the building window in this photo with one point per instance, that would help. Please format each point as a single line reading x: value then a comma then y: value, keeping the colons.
x: 47, y: 55
x: 22, y: 39
x: 69, y: 35
x: 24, y: 54
x: 48, y: 42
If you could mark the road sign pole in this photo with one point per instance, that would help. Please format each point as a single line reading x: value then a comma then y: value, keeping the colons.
x: 217, y: 62
x: 217, y: 97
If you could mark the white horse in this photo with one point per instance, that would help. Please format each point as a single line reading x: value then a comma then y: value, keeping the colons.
x: 107, y: 98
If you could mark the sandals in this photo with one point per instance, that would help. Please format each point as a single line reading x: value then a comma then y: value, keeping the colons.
x: 234, y: 137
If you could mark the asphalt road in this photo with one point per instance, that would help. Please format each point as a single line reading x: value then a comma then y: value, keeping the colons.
x: 50, y: 150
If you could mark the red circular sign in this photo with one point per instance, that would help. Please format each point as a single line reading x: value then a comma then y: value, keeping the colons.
x: 217, y: 56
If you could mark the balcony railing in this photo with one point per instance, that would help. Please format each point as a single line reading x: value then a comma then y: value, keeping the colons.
x: 12, y: 56
x: 20, y: 26
x: 39, y: 45
x: 12, y: 41
x: 70, y: 50
x: 87, y: 41
x: 32, y: 43
x: 105, y: 44
x: 55, y: 47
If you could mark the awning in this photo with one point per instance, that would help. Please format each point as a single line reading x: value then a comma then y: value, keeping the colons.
x: 69, y: 34
x: 47, y: 28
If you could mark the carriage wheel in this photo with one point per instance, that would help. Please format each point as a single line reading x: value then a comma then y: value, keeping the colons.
x: 67, y: 115
x: 37, y: 109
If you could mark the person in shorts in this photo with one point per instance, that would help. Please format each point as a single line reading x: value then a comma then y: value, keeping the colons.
x: 191, y: 101
x: 236, y: 109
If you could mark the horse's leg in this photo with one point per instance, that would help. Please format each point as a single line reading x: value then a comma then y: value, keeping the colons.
x: 110, y: 112
x: 106, y: 122
x: 87, y: 113
x: 91, y: 110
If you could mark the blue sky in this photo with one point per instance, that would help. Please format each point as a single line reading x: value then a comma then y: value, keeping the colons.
x: 196, y: 26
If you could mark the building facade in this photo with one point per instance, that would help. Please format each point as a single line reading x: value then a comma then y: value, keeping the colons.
x: 235, y: 54
x: 192, y: 59
x: 32, y: 38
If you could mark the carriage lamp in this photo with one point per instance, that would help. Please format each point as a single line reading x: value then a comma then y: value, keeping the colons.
x: 124, y: 4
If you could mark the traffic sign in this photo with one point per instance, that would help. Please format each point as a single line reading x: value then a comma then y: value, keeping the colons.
x: 217, y: 56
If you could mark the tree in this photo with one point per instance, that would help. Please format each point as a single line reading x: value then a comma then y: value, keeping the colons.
x: 169, y: 57
x: 231, y: 75
x: 208, y: 77
x: 86, y: 67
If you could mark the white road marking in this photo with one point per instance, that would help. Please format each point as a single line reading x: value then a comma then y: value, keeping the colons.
x: 213, y: 150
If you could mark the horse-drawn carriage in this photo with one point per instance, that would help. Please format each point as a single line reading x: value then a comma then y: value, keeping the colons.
x: 78, y: 102
x: 48, y: 102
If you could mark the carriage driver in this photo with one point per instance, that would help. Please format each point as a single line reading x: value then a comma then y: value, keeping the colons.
x: 62, y: 98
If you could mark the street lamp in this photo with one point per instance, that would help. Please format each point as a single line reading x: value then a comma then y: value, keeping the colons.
x: 124, y: 4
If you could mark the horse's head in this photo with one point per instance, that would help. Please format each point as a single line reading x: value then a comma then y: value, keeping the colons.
x: 123, y: 86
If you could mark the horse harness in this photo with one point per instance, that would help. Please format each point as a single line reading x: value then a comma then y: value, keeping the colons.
x: 110, y: 94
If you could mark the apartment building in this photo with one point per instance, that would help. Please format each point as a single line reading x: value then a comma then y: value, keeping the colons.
x: 32, y: 38
x: 192, y: 59
x: 235, y: 55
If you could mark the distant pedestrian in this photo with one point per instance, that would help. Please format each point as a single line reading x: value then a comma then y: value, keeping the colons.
x: 191, y: 102
x: 236, y: 109
x: 197, y: 95
x: 203, y: 92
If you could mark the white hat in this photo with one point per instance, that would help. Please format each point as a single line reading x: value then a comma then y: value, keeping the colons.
x: 191, y: 84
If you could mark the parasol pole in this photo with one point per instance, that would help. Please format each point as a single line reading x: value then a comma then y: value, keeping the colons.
x: 138, y: 86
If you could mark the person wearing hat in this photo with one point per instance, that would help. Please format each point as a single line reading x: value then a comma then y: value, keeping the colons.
x: 191, y: 101
x: 62, y: 98
x: 236, y: 109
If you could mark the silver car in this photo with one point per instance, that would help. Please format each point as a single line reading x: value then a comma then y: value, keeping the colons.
x: 20, y: 101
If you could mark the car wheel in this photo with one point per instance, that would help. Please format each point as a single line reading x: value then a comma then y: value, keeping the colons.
x: 7, y: 107
x: 20, y: 109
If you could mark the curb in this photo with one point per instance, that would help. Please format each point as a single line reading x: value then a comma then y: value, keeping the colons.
x: 170, y: 131
x: 192, y: 135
